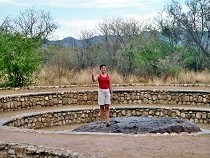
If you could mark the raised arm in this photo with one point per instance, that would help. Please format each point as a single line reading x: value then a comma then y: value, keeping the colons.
x: 94, y: 78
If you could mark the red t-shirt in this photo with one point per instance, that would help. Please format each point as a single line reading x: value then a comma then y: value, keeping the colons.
x: 103, y: 81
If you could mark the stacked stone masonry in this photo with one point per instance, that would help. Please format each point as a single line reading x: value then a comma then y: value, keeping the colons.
x: 64, y: 98
x: 15, y: 150
x: 78, y: 116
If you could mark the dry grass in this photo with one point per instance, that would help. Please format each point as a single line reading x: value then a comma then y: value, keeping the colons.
x: 116, y: 78
x: 190, y: 77
x: 52, y: 76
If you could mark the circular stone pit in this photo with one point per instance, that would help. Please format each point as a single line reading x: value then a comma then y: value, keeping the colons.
x: 197, y: 115
x: 79, y: 116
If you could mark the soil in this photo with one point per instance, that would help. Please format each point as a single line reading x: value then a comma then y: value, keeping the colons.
x: 114, y: 146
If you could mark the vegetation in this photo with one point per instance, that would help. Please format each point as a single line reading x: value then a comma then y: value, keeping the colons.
x: 18, y: 61
x: 190, y: 29
x: 19, y: 39
x: 82, y: 77
x: 175, y: 50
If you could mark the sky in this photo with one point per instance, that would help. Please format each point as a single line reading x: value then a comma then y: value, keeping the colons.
x: 73, y: 16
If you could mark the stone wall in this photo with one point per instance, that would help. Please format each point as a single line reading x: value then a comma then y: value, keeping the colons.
x: 15, y: 150
x: 67, y: 117
x: 122, y: 96
x: 77, y: 116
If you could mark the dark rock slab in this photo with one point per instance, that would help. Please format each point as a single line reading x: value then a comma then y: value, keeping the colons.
x: 141, y: 125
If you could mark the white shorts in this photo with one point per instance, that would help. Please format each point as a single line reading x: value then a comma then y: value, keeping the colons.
x: 103, y: 96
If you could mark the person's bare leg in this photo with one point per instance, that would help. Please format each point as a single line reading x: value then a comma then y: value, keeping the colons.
x: 107, y: 114
x: 102, y: 113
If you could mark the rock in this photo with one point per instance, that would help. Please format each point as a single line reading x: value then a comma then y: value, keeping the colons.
x: 141, y: 125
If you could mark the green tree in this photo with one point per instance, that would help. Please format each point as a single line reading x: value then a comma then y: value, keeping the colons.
x: 20, y: 37
x: 191, y: 27
x: 128, y: 59
x: 18, y: 59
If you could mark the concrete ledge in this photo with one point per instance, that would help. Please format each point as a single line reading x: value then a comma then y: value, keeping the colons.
x: 96, y: 85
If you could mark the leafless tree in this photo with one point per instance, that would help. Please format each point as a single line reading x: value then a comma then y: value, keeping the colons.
x: 111, y: 32
x: 31, y: 23
x: 121, y: 38
x: 86, y: 49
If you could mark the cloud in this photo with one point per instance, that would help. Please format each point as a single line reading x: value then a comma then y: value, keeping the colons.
x: 185, y: 8
x: 96, y: 10
x: 84, y: 3
x: 92, y: 3
x: 102, y: 3
x: 5, y: 1
x: 140, y: 17
x: 74, y: 27
x: 79, y: 23
x: 13, y: 3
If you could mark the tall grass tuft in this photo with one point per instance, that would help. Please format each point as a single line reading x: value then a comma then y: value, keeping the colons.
x: 81, y: 77
x: 116, y: 78
x: 194, y: 77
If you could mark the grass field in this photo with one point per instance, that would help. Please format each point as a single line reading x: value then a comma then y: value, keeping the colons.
x: 51, y: 76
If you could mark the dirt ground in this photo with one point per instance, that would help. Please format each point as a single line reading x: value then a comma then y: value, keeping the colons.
x: 122, y: 146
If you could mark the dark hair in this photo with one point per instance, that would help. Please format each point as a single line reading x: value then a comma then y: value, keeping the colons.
x: 102, y: 66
